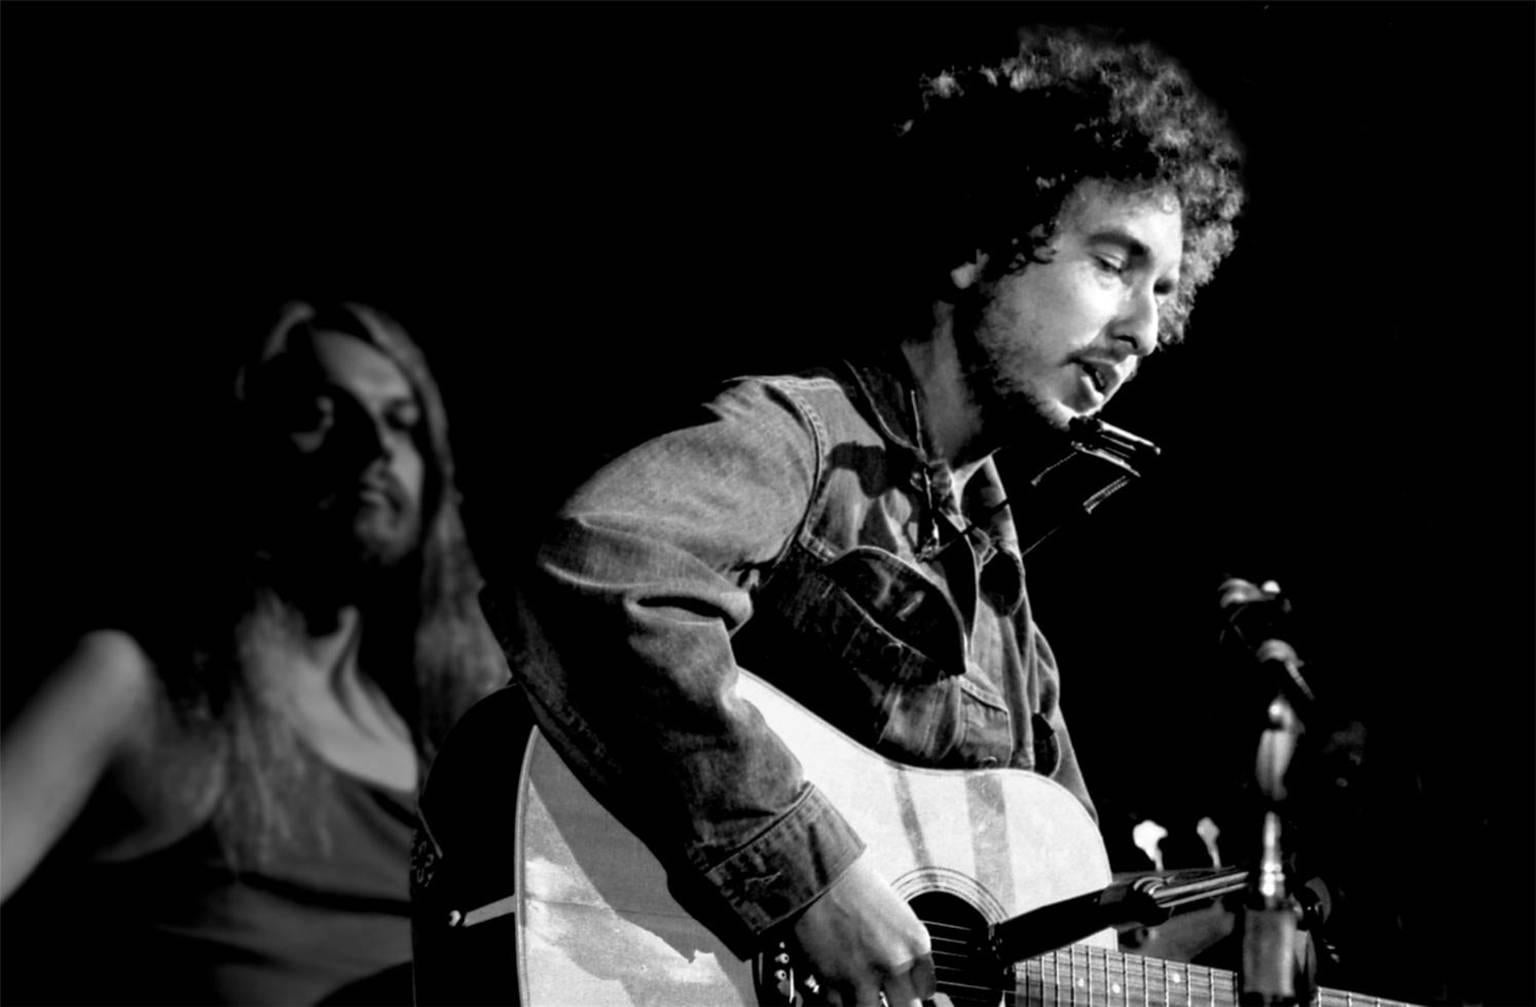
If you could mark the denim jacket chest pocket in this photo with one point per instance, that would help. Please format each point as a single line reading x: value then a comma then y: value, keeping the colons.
x: 872, y: 644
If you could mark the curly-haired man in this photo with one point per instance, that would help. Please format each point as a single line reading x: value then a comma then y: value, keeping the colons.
x: 841, y: 533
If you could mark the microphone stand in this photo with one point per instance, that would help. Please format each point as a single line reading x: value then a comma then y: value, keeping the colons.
x: 1272, y: 973
x: 1276, y: 961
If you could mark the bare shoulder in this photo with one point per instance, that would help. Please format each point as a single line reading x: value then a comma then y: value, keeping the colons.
x: 114, y: 665
x: 114, y: 698
x: 155, y: 751
x: 161, y: 773
x: 99, y: 696
x: 69, y: 751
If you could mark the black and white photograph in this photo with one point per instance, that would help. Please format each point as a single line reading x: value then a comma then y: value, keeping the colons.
x: 584, y: 504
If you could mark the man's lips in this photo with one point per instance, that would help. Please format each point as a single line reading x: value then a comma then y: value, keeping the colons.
x: 1104, y: 375
x: 376, y: 493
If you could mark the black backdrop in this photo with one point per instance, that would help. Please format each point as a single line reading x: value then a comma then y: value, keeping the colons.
x: 582, y: 210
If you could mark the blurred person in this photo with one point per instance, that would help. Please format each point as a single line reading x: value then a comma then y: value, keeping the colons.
x: 222, y: 811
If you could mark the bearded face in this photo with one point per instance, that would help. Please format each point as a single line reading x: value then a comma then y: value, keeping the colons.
x: 349, y: 429
x: 1057, y: 339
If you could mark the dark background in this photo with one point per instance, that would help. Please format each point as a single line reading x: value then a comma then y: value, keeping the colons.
x: 584, y: 210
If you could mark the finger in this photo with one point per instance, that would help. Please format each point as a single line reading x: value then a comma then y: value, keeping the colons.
x: 913, y: 985
x: 899, y: 991
x: 924, y: 980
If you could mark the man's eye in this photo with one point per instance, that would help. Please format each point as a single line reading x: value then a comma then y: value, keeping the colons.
x: 311, y: 415
x: 404, y: 420
x: 1110, y: 264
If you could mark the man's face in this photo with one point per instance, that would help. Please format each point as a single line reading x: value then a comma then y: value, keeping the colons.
x: 1060, y: 337
x: 353, y: 422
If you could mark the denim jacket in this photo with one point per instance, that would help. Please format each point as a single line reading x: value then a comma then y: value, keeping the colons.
x: 792, y: 533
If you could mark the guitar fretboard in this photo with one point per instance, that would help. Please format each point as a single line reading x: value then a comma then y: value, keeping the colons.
x: 1094, y: 976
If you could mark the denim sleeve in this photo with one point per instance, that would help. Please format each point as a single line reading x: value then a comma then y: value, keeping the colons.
x: 623, y: 644
x: 1066, y: 772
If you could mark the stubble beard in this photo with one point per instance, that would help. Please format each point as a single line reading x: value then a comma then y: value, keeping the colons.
x: 342, y: 555
x: 994, y: 360
x: 379, y: 542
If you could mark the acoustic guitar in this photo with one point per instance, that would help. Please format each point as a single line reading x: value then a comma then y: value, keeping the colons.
x: 579, y: 914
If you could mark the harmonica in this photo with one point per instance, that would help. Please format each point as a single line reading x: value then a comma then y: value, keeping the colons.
x: 1075, y: 485
x: 1119, y: 447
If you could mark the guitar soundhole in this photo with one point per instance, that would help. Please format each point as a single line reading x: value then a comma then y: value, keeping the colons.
x: 967, y: 973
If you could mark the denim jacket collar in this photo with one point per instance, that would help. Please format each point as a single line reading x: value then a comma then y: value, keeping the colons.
x: 883, y: 389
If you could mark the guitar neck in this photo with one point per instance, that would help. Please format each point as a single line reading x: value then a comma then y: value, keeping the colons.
x: 1094, y: 975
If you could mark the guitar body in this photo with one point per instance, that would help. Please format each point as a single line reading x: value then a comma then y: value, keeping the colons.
x: 593, y: 924
x: 558, y: 905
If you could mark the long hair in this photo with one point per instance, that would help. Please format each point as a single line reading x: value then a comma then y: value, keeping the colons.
x: 992, y: 153
x: 425, y: 641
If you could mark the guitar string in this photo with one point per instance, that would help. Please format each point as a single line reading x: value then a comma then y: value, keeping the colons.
x: 1130, y: 986
x: 1037, y: 974
x: 1226, y: 992
x: 1193, y: 979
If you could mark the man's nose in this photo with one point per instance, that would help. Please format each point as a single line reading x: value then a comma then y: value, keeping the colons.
x: 1137, y: 324
x: 363, y: 439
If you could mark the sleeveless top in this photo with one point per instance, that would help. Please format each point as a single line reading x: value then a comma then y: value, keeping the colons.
x: 319, y: 923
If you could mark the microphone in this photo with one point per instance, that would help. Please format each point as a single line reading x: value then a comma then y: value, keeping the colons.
x: 1256, y: 618
x: 1252, y: 611
x: 1281, y: 656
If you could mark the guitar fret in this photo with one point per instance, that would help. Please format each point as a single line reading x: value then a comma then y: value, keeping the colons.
x: 1098, y: 971
x: 1086, y: 974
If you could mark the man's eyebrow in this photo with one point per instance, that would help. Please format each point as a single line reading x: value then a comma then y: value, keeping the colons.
x: 389, y: 397
x: 1119, y: 236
